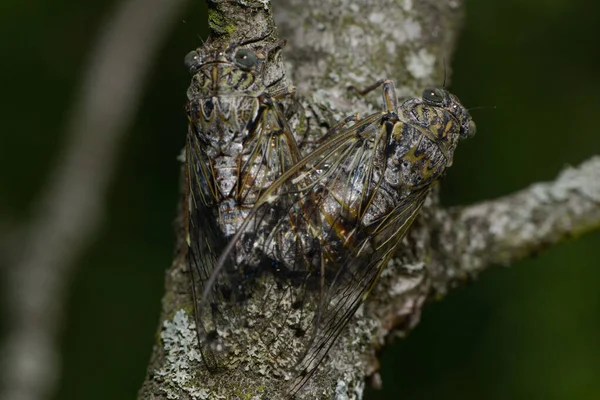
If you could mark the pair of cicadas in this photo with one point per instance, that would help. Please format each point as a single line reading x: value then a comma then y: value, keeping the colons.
x: 284, y: 247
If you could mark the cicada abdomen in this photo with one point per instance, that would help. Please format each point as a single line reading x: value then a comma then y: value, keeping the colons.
x: 346, y: 207
x: 238, y: 144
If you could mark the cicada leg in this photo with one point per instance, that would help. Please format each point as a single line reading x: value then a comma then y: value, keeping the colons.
x: 339, y: 127
x: 278, y: 45
x: 368, y: 89
x: 283, y: 92
x: 390, y: 99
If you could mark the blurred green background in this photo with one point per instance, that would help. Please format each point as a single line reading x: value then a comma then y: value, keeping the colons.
x: 531, y: 331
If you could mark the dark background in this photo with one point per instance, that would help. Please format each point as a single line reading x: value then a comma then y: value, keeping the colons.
x: 530, y: 331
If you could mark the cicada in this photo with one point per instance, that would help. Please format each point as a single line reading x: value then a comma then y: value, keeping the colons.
x: 321, y: 234
x: 238, y: 144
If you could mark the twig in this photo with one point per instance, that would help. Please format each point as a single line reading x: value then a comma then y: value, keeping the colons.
x: 465, y: 241
x: 511, y: 228
x: 72, y: 205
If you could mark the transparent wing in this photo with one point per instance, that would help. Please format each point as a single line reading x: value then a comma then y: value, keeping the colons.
x: 204, y: 236
x: 357, y: 275
x: 356, y: 241
x: 268, y: 151
x: 272, y: 150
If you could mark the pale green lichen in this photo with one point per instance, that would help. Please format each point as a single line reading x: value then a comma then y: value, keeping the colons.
x: 181, y: 354
x: 346, y: 391
x: 218, y: 24
x: 420, y: 64
x: 265, y: 3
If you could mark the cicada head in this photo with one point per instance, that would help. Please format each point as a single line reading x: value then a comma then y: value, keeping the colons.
x: 455, y: 120
x: 431, y: 127
x: 237, y: 70
x: 443, y: 119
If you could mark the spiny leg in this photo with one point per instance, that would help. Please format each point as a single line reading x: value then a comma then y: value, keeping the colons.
x: 390, y: 99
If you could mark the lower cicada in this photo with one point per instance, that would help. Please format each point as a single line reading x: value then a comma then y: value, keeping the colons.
x: 320, y: 235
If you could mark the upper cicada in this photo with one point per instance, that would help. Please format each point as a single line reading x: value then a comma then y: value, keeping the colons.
x: 238, y: 144
x: 317, y: 239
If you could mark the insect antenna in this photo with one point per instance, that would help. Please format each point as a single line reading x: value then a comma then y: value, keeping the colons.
x: 445, y: 74
x: 368, y: 89
x: 481, y: 108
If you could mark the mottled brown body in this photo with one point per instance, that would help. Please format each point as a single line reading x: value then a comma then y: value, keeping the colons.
x: 238, y: 144
x: 238, y: 139
x: 342, y: 212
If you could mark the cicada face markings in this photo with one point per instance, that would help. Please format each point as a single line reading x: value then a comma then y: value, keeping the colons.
x: 219, y: 71
x: 453, y: 110
x: 206, y: 110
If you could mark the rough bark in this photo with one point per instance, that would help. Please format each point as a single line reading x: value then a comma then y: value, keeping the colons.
x: 332, y: 45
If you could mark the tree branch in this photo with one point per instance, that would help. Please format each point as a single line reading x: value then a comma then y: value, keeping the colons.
x: 503, y: 231
x: 330, y: 46
x: 457, y: 244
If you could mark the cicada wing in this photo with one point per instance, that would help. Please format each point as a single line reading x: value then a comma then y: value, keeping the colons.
x: 269, y: 150
x: 370, y: 220
x: 220, y: 291
x: 205, y: 240
x: 355, y: 279
x: 353, y: 249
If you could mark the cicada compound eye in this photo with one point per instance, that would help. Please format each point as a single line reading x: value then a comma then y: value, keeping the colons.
x: 434, y: 97
x: 191, y: 60
x: 245, y: 58
x: 471, y: 130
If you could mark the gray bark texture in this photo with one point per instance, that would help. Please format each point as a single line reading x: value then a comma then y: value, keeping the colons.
x: 331, y: 45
